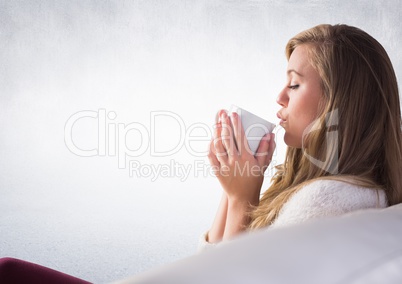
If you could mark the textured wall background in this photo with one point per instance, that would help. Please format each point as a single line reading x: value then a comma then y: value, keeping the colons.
x: 85, y: 215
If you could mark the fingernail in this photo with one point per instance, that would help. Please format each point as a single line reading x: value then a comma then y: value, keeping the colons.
x: 218, y: 116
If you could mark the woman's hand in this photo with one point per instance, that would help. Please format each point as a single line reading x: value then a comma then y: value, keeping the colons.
x: 239, y: 171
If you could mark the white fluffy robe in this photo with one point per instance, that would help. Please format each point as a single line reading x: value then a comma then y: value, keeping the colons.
x: 327, y: 198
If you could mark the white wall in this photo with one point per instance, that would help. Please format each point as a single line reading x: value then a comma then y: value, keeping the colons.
x: 85, y: 215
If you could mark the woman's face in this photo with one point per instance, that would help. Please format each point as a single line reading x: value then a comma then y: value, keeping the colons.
x: 300, y: 97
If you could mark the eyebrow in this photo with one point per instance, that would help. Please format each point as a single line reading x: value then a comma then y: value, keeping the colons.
x: 294, y: 71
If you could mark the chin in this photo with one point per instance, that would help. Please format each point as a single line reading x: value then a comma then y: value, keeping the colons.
x: 292, y: 141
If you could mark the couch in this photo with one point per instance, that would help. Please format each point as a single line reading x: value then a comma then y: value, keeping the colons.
x: 362, y: 247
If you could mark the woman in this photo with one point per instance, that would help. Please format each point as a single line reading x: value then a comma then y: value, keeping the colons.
x: 342, y: 121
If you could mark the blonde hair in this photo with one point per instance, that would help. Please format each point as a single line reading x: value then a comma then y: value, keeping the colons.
x: 360, y: 92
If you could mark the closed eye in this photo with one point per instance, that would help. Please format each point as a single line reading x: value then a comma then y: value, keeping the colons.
x: 293, y: 87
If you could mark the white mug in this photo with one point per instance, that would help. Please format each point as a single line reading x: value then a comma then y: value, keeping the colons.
x: 254, y: 126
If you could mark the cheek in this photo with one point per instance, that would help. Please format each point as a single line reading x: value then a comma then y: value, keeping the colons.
x: 301, y: 114
x: 304, y: 120
x: 297, y: 129
x: 305, y: 108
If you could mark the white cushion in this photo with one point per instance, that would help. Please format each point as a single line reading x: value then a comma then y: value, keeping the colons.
x: 359, y: 247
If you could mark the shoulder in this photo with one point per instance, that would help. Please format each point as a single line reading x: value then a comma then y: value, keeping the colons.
x: 344, y: 194
x: 325, y: 198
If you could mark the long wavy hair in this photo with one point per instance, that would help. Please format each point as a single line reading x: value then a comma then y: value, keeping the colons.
x: 361, y: 100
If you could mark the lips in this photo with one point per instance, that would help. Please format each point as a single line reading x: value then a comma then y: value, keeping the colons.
x: 282, y: 120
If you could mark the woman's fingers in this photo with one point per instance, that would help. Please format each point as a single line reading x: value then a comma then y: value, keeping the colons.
x: 265, y: 150
x: 212, y: 154
x: 238, y: 130
x: 213, y: 159
x: 227, y: 135
x: 271, y: 149
x: 220, y: 151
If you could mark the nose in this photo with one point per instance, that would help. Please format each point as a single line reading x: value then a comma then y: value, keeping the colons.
x: 283, y: 98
